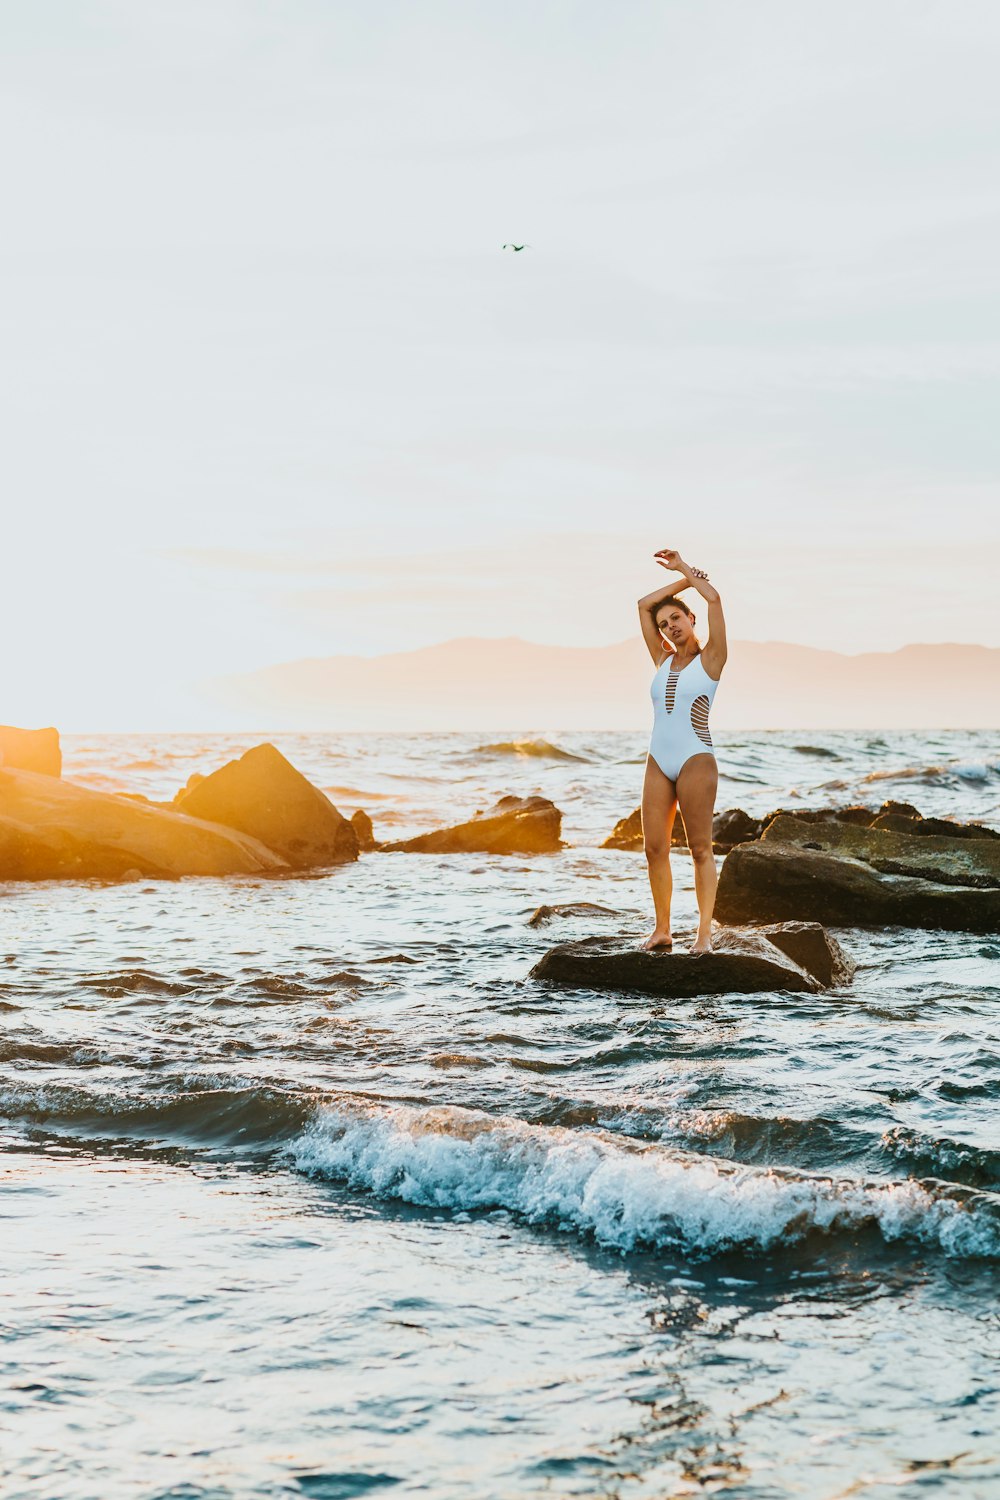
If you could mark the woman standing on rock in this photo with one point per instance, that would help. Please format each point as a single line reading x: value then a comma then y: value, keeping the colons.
x: 681, y: 767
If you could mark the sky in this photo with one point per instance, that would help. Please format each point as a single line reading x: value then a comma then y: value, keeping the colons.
x: 273, y: 390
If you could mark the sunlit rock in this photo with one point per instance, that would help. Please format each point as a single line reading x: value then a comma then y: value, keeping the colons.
x: 514, y: 825
x: 52, y: 829
x: 362, y: 825
x: 30, y: 750
x: 263, y: 795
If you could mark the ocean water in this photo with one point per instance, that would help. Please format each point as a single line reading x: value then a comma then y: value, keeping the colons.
x: 308, y: 1190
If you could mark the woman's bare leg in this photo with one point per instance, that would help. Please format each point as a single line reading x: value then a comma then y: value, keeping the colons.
x: 659, y: 808
x: 697, y: 785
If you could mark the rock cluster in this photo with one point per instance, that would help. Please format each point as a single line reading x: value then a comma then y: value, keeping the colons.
x: 851, y: 875
x: 734, y: 826
x: 256, y: 815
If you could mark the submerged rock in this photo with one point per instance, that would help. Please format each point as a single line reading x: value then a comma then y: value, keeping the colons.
x: 796, y: 956
x: 35, y: 750
x: 263, y: 795
x: 543, y: 914
x: 769, y: 881
x: 51, y: 829
x: 514, y: 825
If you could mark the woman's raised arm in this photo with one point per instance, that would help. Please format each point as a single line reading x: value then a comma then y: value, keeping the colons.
x: 648, y: 605
x: 716, y: 648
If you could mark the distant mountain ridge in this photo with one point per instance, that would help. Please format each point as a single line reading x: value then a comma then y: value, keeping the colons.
x: 514, y: 684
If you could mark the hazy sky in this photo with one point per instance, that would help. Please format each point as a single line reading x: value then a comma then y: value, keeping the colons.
x: 271, y: 388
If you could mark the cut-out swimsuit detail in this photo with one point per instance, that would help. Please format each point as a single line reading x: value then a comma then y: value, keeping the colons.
x: 681, y: 704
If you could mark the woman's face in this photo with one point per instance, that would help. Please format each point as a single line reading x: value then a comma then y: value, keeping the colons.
x: 674, y: 625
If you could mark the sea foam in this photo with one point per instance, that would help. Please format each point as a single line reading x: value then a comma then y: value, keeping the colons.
x: 622, y: 1195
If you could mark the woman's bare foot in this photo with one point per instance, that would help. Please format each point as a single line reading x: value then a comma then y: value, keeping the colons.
x: 658, y: 938
x: 701, y: 944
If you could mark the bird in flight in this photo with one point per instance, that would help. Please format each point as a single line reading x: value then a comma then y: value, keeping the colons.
x: 515, y: 248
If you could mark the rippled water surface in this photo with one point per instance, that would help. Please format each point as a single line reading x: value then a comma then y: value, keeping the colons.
x: 309, y: 1189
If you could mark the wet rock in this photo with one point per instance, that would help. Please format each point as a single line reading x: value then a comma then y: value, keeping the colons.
x: 814, y: 949
x: 947, y: 861
x: 362, y: 825
x: 514, y: 825
x: 627, y: 832
x: 918, y: 827
x: 732, y: 827
x: 263, y: 795
x: 741, y: 963
x: 35, y: 750
x: 543, y: 914
x: 771, y: 881
x: 899, y: 809
x: 51, y: 829
x: 858, y: 814
x: 895, y: 817
x: 862, y: 816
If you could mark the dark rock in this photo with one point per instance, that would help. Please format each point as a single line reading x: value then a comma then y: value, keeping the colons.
x: 895, y: 823
x: 813, y: 949
x: 35, y: 750
x: 898, y: 809
x: 919, y: 827
x: 627, y: 832
x: 733, y: 826
x: 862, y: 816
x: 543, y: 914
x: 362, y: 825
x: 514, y: 825
x: 741, y: 963
x: 947, y: 861
x: 262, y: 794
x: 768, y: 881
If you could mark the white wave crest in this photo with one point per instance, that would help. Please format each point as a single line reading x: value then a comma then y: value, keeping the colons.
x: 623, y: 1195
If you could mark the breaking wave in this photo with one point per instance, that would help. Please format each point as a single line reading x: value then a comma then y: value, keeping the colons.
x: 624, y: 1196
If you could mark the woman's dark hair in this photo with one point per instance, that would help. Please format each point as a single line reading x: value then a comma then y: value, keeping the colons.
x: 670, y: 600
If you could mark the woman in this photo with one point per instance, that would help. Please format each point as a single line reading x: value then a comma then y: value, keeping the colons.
x: 680, y: 767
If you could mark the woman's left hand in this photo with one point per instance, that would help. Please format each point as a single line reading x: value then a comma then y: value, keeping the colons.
x: 669, y: 557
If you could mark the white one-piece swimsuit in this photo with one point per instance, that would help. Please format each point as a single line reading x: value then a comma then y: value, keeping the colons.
x: 681, y: 702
